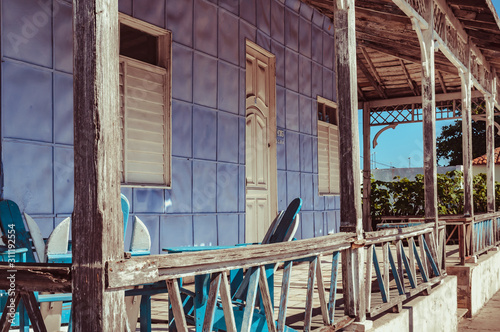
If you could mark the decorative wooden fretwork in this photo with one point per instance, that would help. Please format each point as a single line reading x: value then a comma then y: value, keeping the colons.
x: 418, y: 5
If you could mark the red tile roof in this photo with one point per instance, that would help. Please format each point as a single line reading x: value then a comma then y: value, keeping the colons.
x: 482, y: 160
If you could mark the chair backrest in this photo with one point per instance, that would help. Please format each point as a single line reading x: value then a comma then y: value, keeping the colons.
x: 287, y: 223
x: 11, y: 219
x: 57, y: 243
x: 126, y: 211
x: 36, y: 238
x: 141, y: 240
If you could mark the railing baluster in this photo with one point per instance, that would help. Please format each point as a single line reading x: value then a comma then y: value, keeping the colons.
x: 227, y: 307
x: 430, y: 257
x: 399, y: 255
x: 333, y: 286
x: 213, y: 293
x: 321, y: 292
x: 266, y: 299
x: 411, y: 244
x: 246, y: 324
x: 285, y: 287
x: 421, y: 264
x: 381, y: 282
x: 407, y: 266
x: 175, y: 299
x: 395, y: 273
x: 385, y: 247
x: 368, y: 276
x: 310, y: 293
x: 423, y: 257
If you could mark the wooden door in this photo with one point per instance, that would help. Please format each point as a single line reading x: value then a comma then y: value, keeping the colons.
x: 261, y: 169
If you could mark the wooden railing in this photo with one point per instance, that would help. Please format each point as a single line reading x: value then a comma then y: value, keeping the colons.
x: 419, y: 263
x: 476, y: 234
x: 411, y: 255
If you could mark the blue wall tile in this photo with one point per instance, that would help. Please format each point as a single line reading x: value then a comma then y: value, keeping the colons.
x: 317, y: 45
x: 153, y: 225
x: 319, y: 201
x: 182, y: 126
x: 306, y: 12
x: 292, y: 70
x: 46, y: 225
x: 282, y: 192
x: 241, y: 189
x: 316, y: 80
x: 204, y: 127
x: 306, y: 191
x: 306, y: 155
x: 205, y: 230
x: 315, y: 154
x: 26, y: 183
x: 281, y: 154
x: 241, y: 143
x: 292, y: 186
x: 228, y: 87
x: 280, y: 107
x: 305, y: 114
x: 307, y: 223
x: 247, y: 31
x: 336, y: 202
x: 204, y: 186
x: 205, y: 80
x: 279, y: 51
x: 328, y: 84
x: 305, y: 37
x: 180, y: 194
x: 263, y: 40
x: 180, y: 20
x: 264, y: 16
x: 125, y: 6
x: 292, y: 151
x: 329, y: 204
x: 227, y: 138
x: 314, y: 118
x: 328, y: 26
x: 63, y: 37
x: 293, y: 5
x: 319, y: 224
x: 27, y: 31
x: 231, y: 5
x: 242, y: 93
x: 291, y: 30
x: 247, y: 11
x: 147, y: 200
x: 176, y: 231
x: 241, y: 228
x: 227, y: 188
x: 228, y: 29
x: 277, y: 21
x: 150, y: 11
x: 26, y: 102
x: 228, y: 229
x: 305, y: 76
x: 292, y: 111
x: 205, y: 27
x: 182, y: 72
x: 328, y: 51
x: 317, y: 18
x: 63, y: 108
x: 63, y: 180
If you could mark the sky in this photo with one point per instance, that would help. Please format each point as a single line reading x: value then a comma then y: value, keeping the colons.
x: 402, y: 146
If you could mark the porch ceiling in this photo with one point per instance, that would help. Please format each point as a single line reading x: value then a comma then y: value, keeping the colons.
x: 388, y: 50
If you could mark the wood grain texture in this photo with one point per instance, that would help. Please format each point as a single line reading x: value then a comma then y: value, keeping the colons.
x: 213, y: 294
x: 32, y: 307
x: 266, y: 300
x: 285, y: 287
x: 97, y: 227
x: 175, y: 299
x: 225, y: 294
x: 321, y: 293
x: 310, y: 294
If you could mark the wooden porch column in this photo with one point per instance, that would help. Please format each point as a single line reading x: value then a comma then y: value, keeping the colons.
x: 97, y: 227
x: 350, y: 193
x: 490, y: 147
x: 429, y: 112
x: 465, y: 78
x: 367, y: 185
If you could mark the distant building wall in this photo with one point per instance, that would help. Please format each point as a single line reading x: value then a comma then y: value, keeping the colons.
x: 477, y: 169
x: 206, y: 204
x: 388, y: 174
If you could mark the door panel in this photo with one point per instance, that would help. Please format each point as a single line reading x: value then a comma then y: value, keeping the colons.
x: 261, y: 201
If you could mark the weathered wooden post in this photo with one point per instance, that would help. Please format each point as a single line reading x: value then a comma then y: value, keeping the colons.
x: 367, y: 183
x: 490, y: 145
x: 465, y: 78
x: 97, y: 228
x: 350, y: 185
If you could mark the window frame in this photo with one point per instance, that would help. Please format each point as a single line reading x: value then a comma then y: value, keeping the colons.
x: 164, y: 60
x: 325, y: 102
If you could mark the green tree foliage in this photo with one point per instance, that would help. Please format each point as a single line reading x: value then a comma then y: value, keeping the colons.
x: 404, y: 197
x: 449, y: 142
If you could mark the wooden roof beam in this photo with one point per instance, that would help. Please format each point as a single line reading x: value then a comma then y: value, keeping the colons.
x: 372, y: 67
x: 373, y: 82
x: 411, y: 84
x: 441, y: 81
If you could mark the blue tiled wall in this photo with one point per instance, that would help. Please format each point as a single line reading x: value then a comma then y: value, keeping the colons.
x: 206, y: 204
